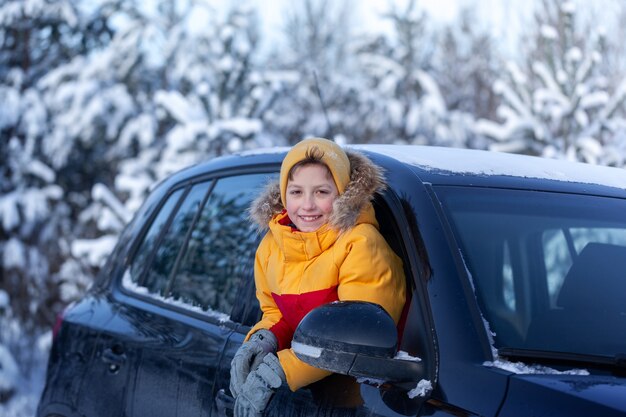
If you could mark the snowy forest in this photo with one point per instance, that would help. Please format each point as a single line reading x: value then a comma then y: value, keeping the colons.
x: 100, y: 99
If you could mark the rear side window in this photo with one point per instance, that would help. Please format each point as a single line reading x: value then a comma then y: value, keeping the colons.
x: 143, y: 256
x: 159, y: 273
x: 199, y: 250
x: 221, y: 245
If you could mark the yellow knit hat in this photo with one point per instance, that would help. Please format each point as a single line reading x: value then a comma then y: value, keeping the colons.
x: 334, y: 157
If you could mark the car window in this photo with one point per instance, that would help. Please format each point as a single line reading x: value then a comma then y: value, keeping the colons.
x: 562, y: 246
x: 159, y: 272
x: 146, y: 249
x: 546, y: 267
x: 558, y: 255
x: 199, y: 250
x: 221, y: 247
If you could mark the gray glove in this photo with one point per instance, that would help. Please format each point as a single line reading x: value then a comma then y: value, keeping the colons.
x: 249, y: 356
x: 259, y: 387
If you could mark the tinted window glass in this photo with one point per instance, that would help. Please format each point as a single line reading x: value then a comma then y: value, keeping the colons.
x: 557, y: 260
x: 220, y: 251
x: 145, y: 251
x: 548, y: 268
x: 163, y: 262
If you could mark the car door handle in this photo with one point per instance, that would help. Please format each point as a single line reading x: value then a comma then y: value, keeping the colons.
x: 225, y: 404
x: 114, y: 357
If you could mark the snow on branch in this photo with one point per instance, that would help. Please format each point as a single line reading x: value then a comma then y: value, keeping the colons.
x: 101, y: 193
x: 552, y: 86
x: 179, y: 106
x: 511, y: 98
x: 94, y: 251
x: 616, y: 100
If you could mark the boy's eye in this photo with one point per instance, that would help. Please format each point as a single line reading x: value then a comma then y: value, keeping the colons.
x: 294, y: 192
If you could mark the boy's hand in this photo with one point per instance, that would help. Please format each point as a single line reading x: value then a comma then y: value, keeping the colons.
x: 259, y: 387
x: 249, y: 357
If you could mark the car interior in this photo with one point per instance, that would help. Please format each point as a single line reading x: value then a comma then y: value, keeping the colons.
x: 584, y: 312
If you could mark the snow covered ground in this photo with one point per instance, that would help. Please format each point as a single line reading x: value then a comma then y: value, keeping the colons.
x: 27, y: 380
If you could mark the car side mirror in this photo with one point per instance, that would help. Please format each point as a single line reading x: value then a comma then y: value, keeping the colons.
x: 354, y: 338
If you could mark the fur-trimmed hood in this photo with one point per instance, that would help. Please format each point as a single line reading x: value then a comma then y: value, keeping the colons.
x: 366, y: 179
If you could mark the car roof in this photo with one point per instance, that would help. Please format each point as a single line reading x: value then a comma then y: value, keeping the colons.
x: 455, y: 166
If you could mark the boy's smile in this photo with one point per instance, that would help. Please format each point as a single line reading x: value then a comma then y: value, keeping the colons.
x: 310, y: 195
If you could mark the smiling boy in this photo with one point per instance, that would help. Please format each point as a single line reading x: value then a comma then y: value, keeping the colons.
x: 323, y: 245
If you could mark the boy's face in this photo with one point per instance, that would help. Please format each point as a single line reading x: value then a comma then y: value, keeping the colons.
x: 310, y: 195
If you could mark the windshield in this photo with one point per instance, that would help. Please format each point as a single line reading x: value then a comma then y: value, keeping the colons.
x: 549, y: 269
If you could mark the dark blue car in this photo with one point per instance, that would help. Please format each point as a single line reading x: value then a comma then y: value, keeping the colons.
x: 517, y: 305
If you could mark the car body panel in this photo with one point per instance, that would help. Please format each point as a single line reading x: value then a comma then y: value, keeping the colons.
x: 77, y: 363
x: 565, y: 395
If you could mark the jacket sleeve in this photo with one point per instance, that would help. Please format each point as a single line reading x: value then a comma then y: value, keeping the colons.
x: 272, y: 317
x: 371, y: 271
x: 368, y: 271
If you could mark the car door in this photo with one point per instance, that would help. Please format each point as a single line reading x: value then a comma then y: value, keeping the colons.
x: 82, y: 356
x: 92, y: 362
x: 178, y: 292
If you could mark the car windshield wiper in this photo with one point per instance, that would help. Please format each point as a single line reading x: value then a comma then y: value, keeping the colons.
x: 564, y: 358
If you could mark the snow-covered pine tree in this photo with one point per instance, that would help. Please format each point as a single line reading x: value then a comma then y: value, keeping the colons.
x: 315, y: 60
x: 35, y: 224
x: 216, y: 97
x: 177, y: 84
x: 35, y: 36
x: 561, y: 106
x: 38, y: 35
x: 89, y: 101
x: 401, y: 101
x: 466, y: 66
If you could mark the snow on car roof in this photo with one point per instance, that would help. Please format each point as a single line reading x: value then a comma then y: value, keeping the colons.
x: 488, y: 163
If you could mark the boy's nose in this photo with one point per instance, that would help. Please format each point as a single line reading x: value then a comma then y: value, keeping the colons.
x: 309, y: 201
